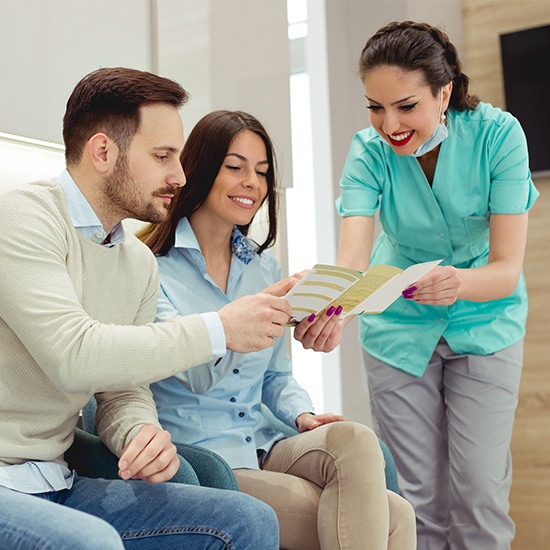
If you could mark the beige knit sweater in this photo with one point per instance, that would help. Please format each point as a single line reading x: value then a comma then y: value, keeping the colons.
x: 68, y: 314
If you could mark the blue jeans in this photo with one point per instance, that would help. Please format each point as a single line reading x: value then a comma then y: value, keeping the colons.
x: 101, y: 514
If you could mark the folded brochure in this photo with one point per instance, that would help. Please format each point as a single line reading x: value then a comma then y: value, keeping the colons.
x: 369, y: 292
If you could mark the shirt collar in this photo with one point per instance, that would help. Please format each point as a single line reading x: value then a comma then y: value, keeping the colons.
x: 240, y: 245
x: 83, y: 216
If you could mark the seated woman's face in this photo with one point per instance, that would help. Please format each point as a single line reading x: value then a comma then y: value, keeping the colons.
x: 241, y: 184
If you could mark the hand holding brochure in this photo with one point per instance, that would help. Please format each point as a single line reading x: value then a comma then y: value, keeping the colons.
x: 369, y: 292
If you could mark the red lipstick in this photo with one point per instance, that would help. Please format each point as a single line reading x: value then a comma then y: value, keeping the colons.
x: 401, y: 142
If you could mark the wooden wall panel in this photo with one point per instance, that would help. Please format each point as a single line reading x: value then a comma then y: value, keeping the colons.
x: 530, y: 497
x: 484, y: 20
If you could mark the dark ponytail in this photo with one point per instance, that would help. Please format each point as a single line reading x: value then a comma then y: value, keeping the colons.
x: 415, y: 46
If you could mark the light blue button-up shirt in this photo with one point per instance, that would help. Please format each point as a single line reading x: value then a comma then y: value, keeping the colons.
x: 482, y: 169
x: 219, y: 406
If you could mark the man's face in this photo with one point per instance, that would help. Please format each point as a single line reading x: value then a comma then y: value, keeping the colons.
x: 145, y: 179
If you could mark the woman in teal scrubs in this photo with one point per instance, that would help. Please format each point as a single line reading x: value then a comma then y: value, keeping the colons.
x: 450, y: 179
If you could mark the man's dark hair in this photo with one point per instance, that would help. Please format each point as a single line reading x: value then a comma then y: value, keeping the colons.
x: 109, y: 100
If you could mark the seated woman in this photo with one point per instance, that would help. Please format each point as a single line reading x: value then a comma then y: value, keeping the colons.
x: 326, y: 484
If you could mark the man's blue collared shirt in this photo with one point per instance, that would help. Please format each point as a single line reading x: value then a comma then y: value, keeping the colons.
x: 84, y: 218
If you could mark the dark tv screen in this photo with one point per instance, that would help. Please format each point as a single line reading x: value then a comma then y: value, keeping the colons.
x: 526, y: 70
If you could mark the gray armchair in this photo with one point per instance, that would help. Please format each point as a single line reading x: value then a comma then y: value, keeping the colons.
x: 198, y: 466
x: 91, y: 458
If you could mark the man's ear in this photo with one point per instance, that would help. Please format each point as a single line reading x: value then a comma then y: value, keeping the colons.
x: 102, y: 152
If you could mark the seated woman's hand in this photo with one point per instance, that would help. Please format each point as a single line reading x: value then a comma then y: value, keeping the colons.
x: 308, y: 421
x: 321, y: 333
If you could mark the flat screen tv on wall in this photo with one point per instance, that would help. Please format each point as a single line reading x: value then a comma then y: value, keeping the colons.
x: 526, y: 69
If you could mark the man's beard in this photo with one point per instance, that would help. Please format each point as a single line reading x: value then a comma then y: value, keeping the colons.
x: 122, y: 193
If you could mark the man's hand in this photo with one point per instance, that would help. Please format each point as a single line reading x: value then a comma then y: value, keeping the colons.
x: 282, y: 287
x: 307, y: 421
x: 150, y: 456
x: 322, y: 333
x: 252, y: 322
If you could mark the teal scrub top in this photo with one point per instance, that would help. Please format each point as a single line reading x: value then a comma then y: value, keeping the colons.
x: 482, y: 169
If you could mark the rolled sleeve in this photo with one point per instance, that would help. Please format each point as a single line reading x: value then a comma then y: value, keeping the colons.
x: 513, y: 197
x: 360, y: 183
x: 512, y: 190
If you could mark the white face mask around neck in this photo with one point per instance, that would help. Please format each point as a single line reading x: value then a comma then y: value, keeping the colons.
x: 439, y: 134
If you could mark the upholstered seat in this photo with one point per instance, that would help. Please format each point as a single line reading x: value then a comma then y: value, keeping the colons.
x: 91, y: 458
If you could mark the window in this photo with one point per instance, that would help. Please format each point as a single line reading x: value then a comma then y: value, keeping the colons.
x: 24, y: 160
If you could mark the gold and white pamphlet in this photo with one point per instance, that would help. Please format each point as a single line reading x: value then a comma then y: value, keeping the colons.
x: 357, y: 293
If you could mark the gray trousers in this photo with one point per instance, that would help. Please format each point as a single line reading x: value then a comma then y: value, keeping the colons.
x: 450, y: 433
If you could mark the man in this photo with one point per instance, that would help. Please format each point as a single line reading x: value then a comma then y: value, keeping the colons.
x: 77, y: 301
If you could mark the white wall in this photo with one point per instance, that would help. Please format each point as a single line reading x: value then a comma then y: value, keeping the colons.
x: 21, y: 162
x: 47, y: 46
x: 232, y: 54
x: 222, y: 51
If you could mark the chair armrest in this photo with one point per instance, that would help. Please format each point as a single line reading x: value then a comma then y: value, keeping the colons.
x: 88, y: 416
x: 199, y: 466
x: 276, y: 423
x: 211, y: 469
x: 91, y: 458
x: 390, y: 470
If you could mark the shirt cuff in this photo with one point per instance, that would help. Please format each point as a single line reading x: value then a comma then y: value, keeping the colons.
x: 217, y: 334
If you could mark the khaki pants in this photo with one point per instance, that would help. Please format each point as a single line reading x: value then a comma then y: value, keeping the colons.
x: 327, y: 487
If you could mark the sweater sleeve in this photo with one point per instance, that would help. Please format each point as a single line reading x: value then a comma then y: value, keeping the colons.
x: 40, y: 304
x: 121, y: 414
